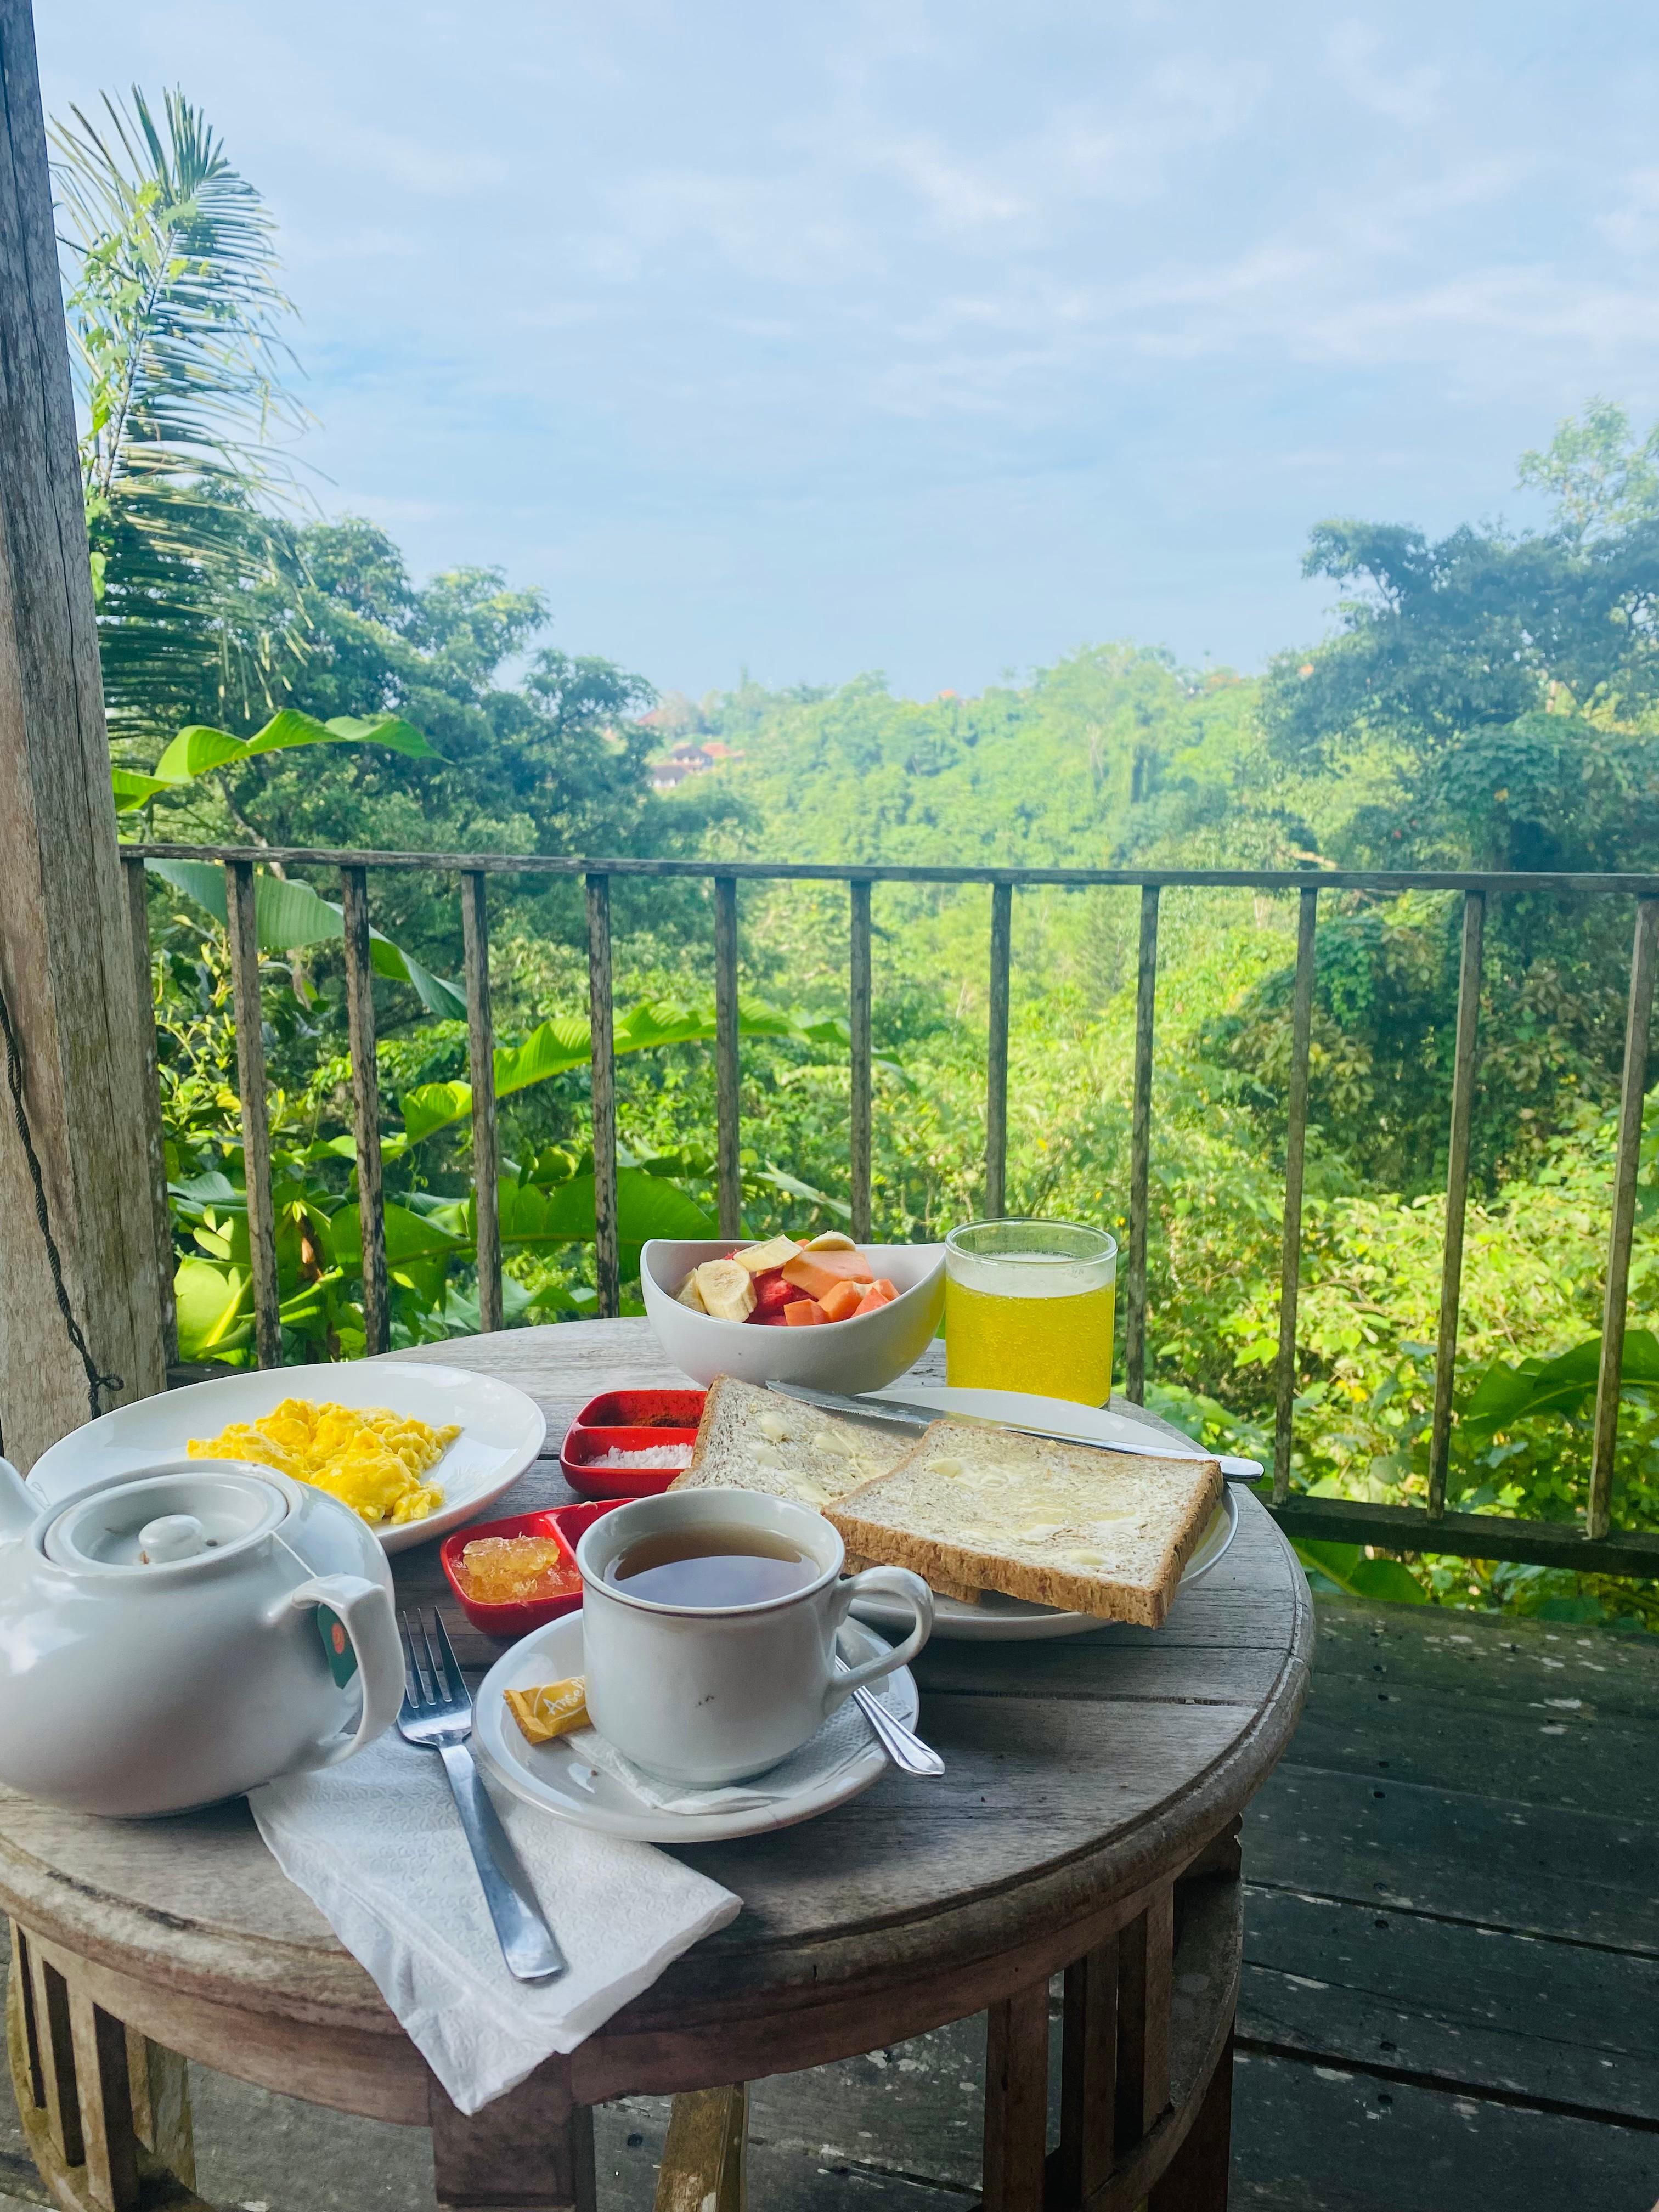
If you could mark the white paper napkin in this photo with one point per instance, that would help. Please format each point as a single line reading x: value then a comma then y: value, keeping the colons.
x: 377, y: 1845
x: 844, y: 1737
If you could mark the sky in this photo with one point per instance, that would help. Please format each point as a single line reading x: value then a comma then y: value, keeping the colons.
x: 932, y: 337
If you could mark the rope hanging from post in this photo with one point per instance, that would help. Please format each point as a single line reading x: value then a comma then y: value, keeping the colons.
x: 96, y: 1383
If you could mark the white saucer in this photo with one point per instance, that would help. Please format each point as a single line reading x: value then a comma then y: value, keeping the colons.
x: 502, y: 1431
x: 557, y: 1779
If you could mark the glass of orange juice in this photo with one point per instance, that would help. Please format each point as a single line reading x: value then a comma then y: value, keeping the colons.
x: 1029, y: 1306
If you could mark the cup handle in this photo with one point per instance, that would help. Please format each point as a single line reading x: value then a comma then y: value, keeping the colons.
x: 896, y: 1582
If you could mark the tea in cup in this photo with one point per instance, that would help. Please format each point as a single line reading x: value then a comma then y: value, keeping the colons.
x: 708, y: 1629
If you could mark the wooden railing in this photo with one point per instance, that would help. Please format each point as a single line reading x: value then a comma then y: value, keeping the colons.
x: 1594, y: 1548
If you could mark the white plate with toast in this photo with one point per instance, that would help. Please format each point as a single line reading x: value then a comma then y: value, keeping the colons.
x: 994, y: 1619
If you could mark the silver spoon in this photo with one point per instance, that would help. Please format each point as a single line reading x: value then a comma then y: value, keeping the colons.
x: 902, y: 1746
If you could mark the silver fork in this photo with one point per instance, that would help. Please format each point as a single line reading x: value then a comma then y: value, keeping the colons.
x: 437, y: 1714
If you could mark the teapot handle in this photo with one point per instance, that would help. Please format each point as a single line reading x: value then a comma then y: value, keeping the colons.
x: 364, y: 1611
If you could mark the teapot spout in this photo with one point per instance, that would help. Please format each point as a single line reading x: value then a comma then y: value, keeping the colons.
x: 20, y: 1509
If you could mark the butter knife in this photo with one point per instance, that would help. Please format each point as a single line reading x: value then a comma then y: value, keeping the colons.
x: 911, y: 1414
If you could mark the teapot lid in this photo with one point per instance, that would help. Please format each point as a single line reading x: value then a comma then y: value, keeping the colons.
x: 165, y: 1520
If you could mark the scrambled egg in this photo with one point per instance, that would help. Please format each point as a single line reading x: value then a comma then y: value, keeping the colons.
x: 368, y: 1456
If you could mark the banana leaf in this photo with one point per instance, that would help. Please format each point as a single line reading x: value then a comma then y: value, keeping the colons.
x: 289, y: 915
x: 1564, y: 1385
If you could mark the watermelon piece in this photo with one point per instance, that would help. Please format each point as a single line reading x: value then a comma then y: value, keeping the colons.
x: 772, y: 1294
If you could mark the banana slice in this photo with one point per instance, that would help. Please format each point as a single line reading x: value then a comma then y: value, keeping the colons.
x: 727, y: 1289
x: 832, y: 1241
x: 690, y: 1295
x: 759, y: 1258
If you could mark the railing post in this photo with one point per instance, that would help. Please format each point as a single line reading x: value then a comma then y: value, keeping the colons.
x: 1638, y: 1035
x: 729, y: 1156
x: 1141, y: 1152
x: 996, y: 1054
x: 858, y: 1024
x: 156, y: 1150
x: 366, y: 1109
x: 607, y: 1260
x: 1296, y: 1135
x: 1457, y: 1188
x: 243, y: 932
x: 481, y: 1068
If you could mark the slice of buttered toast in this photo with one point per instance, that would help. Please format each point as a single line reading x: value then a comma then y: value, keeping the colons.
x: 1052, y: 1522
x: 752, y: 1439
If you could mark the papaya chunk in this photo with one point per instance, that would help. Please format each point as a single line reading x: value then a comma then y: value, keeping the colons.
x: 817, y: 1272
x: 842, y: 1301
x: 805, y: 1313
x: 878, y: 1295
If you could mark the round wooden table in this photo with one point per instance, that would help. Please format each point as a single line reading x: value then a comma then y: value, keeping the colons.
x: 1087, y: 1823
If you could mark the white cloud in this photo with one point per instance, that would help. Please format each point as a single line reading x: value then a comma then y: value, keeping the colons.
x: 1412, y: 96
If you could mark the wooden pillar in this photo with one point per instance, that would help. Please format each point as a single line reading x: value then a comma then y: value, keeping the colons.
x: 66, y: 963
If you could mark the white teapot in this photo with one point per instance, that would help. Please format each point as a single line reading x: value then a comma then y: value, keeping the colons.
x: 185, y: 1634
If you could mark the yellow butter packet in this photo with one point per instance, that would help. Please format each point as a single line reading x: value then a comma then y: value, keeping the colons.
x: 552, y: 1710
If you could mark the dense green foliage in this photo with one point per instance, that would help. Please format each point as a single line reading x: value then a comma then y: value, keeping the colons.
x: 1489, y: 700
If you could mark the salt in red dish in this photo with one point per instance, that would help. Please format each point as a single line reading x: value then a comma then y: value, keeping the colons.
x: 629, y: 1421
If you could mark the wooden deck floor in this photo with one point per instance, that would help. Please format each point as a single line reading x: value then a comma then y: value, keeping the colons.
x: 1451, y: 1987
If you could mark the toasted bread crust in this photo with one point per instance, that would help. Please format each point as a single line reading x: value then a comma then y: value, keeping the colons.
x: 1173, y: 1502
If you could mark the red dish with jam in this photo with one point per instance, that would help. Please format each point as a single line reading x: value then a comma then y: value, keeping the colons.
x: 560, y: 1584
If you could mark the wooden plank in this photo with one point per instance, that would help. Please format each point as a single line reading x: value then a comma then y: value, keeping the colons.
x: 1310, y: 2134
x: 1196, y: 2178
x: 728, y: 1146
x: 1264, y: 879
x: 111, y: 2146
x: 531, y: 2149
x: 996, y: 1056
x: 1296, y: 1142
x: 60, y: 2099
x: 1637, y: 1031
x: 1141, y: 1152
x: 607, y: 1263
x: 161, y: 2105
x: 1409, y: 1529
x: 244, y: 935
x: 1573, y: 1876
x: 859, y: 1016
x: 705, y: 2159
x: 1016, y: 2101
x: 1554, y: 2024
x: 67, y: 973
x: 1146, y: 1953
x: 1457, y: 1187
x: 33, y: 2090
x: 481, y: 1070
x: 366, y: 1108
x: 1088, y: 2088
x: 154, y: 1139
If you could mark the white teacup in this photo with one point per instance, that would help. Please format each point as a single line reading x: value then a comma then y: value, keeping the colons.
x: 708, y: 1694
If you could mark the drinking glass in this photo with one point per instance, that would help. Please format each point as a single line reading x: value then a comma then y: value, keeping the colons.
x: 1029, y: 1306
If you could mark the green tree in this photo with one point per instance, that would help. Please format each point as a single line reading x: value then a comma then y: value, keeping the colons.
x: 175, y: 316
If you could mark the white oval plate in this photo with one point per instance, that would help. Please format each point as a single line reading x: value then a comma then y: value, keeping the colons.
x: 503, y: 1431
x: 998, y: 1620
x: 555, y: 1776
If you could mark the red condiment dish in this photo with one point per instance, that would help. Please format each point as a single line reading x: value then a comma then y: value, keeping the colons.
x: 566, y: 1524
x: 630, y: 1421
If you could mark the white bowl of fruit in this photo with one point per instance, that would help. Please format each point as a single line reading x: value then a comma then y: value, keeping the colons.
x: 826, y: 1312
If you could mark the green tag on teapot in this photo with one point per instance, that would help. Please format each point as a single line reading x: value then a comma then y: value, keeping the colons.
x: 341, y: 1652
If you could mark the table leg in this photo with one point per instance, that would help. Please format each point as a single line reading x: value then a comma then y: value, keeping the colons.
x: 530, y: 2150
x: 1196, y: 2178
x: 1016, y: 2100
x: 105, y: 2112
x: 705, y: 2159
x: 1088, y: 2088
x: 1145, y: 1951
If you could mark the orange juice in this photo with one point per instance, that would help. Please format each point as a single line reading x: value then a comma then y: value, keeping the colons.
x: 1029, y: 1306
